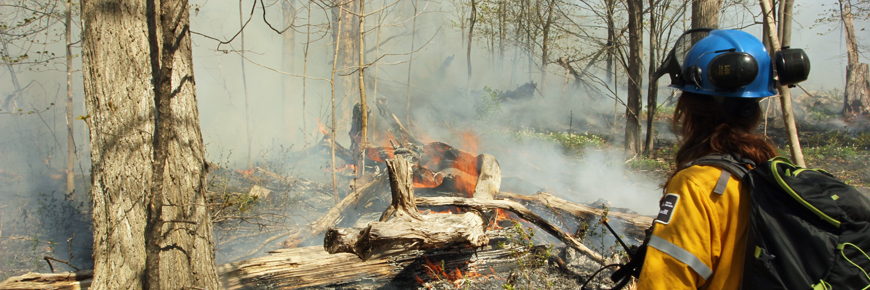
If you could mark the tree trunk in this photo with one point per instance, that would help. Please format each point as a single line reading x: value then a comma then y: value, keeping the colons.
x: 705, y: 13
x: 152, y: 229
x: 347, y: 63
x: 857, y: 97
x: 364, y: 107
x: 785, y: 95
x: 472, y: 20
x: 611, y: 40
x: 70, y: 139
x: 545, y: 45
x: 249, y: 125
x: 288, y: 56
x: 411, y: 61
x: 635, y: 80
x: 653, y: 87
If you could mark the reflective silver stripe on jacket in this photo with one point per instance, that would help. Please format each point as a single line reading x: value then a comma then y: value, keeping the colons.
x: 681, y: 255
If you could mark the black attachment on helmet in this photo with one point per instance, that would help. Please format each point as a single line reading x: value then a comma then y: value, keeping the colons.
x: 672, y: 64
x: 732, y: 70
x: 792, y: 65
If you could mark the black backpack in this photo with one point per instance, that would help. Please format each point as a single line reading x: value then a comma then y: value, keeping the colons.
x: 807, y: 230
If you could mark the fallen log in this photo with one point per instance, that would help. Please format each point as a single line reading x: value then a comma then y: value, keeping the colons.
x: 299, y: 235
x: 62, y: 281
x: 313, y: 267
x: 633, y: 225
x: 408, y: 230
x: 516, y: 208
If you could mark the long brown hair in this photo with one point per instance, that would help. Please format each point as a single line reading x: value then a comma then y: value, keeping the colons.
x: 707, y: 124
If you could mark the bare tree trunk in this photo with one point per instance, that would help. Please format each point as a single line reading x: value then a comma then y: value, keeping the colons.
x: 249, y: 126
x: 332, y: 85
x: 152, y: 228
x: 611, y: 40
x: 545, y: 43
x: 70, y: 139
x: 856, y: 100
x: 705, y: 13
x: 785, y: 94
x: 472, y: 20
x: 305, y: 70
x: 347, y: 62
x: 635, y: 80
x: 288, y: 56
x: 653, y: 87
x: 364, y: 108
x: 410, y: 61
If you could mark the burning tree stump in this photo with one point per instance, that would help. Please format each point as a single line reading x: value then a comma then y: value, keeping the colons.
x: 408, y: 230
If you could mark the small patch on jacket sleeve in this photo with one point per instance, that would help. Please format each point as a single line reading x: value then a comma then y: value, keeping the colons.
x: 668, y: 206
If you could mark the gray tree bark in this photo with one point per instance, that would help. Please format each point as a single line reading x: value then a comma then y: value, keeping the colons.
x: 705, y: 13
x: 635, y: 80
x: 288, y: 57
x: 152, y: 228
x: 857, y: 97
x: 70, y: 139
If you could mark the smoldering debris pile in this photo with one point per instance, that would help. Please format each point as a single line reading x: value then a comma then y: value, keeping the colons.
x: 434, y: 216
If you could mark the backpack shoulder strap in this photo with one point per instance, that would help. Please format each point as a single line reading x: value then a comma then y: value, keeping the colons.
x: 730, y: 163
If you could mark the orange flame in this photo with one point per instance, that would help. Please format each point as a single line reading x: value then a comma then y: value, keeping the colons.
x: 246, y: 172
x: 343, y: 168
x: 502, y: 215
x: 469, y: 141
x: 321, y: 127
x: 436, y: 272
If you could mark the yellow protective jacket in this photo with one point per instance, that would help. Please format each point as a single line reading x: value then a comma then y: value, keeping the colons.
x: 699, y: 236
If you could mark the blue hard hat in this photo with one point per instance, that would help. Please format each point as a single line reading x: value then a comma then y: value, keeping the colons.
x: 728, y: 63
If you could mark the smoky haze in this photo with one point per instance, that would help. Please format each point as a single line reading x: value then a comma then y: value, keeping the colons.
x: 445, y: 105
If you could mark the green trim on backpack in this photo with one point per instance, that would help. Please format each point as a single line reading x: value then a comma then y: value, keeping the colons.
x: 795, y: 195
x: 842, y: 246
x: 822, y: 286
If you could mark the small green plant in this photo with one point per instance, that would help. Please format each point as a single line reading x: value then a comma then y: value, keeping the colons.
x: 647, y: 164
x: 489, y: 104
x: 571, y: 142
x: 529, y: 257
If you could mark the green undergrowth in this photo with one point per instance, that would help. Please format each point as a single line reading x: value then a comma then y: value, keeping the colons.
x: 572, y: 143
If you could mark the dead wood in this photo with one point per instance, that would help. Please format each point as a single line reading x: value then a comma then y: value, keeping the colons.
x: 313, y: 267
x: 396, y: 126
x: 526, y: 91
x: 297, y: 236
x: 408, y: 229
x: 633, y: 225
x: 66, y: 281
x: 343, y: 153
x: 516, y: 208
x: 489, y: 180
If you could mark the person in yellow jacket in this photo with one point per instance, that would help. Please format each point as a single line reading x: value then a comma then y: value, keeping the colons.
x: 699, y: 236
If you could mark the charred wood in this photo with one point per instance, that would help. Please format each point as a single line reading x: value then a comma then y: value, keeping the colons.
x: 63, y: 281
x: 519, y: 210
x: 408, y: 230
x: 399, y: 131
